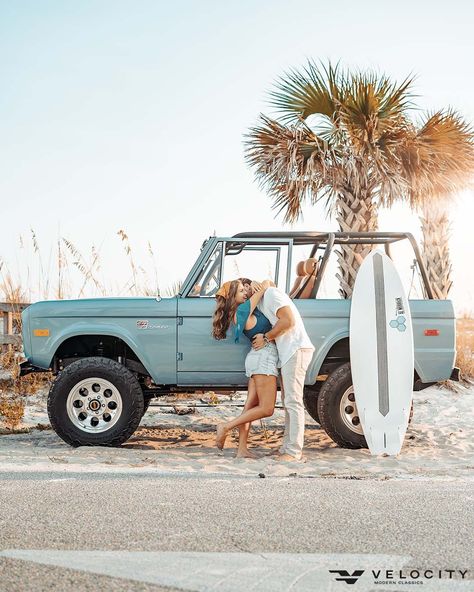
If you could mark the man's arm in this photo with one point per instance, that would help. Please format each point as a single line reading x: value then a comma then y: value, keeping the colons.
x: 258, y: 294
x: 286, y: 321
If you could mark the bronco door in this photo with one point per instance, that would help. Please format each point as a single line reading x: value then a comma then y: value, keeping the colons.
x: 202, y: 360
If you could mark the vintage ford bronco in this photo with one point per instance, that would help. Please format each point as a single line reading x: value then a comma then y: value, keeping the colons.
x: 111, y: 356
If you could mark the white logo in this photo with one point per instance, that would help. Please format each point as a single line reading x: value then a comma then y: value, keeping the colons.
x: 146, y: 325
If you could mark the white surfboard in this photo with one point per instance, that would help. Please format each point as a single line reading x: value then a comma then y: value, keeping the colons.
x: 381, y: 349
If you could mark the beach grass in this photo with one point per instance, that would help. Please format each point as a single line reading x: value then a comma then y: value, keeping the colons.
x: 465, y: 347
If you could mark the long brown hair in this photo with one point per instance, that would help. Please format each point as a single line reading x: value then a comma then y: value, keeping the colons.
x: 224, y: 313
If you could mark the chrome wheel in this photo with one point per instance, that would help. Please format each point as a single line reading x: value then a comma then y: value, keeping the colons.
x: 349, y: 413
x: 94, y: 405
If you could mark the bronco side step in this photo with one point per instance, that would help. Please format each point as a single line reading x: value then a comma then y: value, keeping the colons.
x: 27, y: 368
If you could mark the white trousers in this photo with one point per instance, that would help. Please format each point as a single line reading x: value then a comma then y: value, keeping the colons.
x: 292, y: 380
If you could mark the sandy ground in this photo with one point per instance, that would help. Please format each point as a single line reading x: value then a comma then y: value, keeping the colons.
x: 439, y: 443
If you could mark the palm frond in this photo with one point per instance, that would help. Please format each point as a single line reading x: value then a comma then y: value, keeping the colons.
x: 290, y: 162
x: 438, y: 158
x: 314, y: 90
x: 374, y: 106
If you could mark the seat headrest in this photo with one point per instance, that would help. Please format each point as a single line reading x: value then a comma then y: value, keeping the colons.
x: 306, y: 267
x: 300, y: 268
x: 310, y: 265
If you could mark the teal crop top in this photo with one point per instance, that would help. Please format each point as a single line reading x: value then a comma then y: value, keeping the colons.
x: 243, y: 312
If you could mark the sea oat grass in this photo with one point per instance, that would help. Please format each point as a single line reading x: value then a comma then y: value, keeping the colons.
x: 464, y: 354
x: 15, y: 390
x: 11, y: 411
x: 465, y: 348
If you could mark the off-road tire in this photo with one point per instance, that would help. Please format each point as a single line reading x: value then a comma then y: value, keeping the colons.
x: 110, y: 370
x: 328, y: 407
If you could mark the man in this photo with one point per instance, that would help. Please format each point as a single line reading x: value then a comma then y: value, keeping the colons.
x: 295, y: 351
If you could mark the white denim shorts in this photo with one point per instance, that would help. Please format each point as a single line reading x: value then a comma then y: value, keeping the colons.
x: 262, y: 361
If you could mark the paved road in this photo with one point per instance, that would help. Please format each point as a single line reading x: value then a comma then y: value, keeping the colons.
x: 153, y: 532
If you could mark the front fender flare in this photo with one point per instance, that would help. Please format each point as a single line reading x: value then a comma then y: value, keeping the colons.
x: 44, y: 357
x: 318, y: 359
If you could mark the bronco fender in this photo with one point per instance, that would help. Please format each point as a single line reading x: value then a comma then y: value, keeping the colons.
x: 320, y: 355
x: 44, y: 351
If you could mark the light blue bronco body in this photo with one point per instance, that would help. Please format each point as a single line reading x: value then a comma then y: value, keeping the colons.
x: 166, y: 343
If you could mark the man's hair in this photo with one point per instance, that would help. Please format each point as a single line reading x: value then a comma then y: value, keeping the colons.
x: 245, y: 280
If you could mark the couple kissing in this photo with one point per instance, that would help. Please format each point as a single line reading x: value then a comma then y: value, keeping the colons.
x: 280, y: 346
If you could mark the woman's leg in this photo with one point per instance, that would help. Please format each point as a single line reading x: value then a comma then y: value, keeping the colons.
x: 252, y: 401
x: 266, y: 393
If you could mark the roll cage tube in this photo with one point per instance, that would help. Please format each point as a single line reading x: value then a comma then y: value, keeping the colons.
x: 264, y: 244
x: 232, y: 247
x: 336, y: 238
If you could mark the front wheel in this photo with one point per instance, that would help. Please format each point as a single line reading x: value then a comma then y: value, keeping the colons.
x: 95, y: 402
x: 337, y: 410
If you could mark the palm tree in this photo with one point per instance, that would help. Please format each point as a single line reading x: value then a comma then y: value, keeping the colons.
x: 347, y: 138
x: 438, y: 163
x: 435, y: 227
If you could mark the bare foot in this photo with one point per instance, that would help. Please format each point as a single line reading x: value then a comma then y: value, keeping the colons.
x: 245, y: 454
x: 221, y: 435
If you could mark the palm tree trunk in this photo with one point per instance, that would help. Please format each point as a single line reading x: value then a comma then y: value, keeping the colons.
x: 354, y: 213
x: 435, y: 227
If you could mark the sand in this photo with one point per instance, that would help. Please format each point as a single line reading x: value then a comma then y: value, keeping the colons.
x: 439, y: 443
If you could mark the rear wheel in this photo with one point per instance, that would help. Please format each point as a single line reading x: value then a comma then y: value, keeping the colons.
x: 337, y: 410
x: 95, y: 402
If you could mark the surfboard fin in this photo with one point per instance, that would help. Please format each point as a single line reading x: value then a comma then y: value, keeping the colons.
x: 388, y: 441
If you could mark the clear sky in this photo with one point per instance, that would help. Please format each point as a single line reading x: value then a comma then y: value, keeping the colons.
x: 131, y: 114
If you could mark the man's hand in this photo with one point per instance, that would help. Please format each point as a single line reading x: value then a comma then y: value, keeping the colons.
x: 258, y: 341
x: 256, y: 286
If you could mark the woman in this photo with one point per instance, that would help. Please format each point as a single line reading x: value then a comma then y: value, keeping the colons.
x: 233, y: 306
